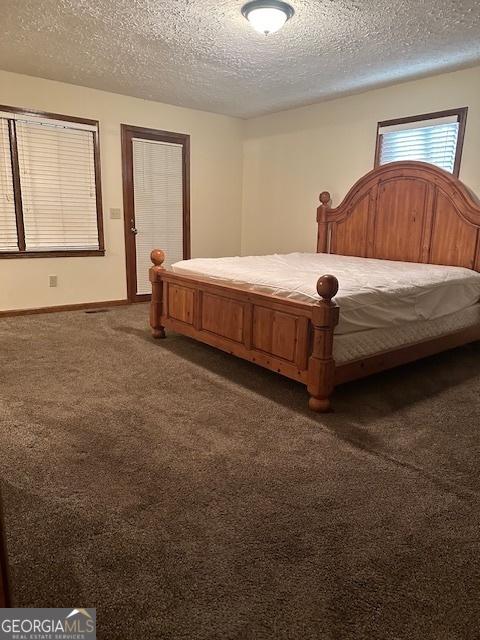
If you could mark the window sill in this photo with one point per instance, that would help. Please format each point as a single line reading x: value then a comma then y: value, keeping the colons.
x: 81, y: 253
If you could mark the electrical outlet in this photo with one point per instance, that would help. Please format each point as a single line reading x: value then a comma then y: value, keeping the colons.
x: 53, y: 281
x: 115, y: 214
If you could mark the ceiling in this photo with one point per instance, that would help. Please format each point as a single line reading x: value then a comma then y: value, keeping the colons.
x: 203, y: 53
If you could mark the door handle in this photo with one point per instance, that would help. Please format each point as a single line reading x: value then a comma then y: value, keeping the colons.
x: 134, y: 231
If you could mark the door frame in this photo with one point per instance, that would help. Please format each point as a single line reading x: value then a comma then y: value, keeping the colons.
x: 127, y: 133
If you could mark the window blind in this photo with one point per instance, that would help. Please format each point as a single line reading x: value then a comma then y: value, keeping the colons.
x: 8, y: 223
x: 57, y: 176
x: 433, y: 141
x: 158, y: 202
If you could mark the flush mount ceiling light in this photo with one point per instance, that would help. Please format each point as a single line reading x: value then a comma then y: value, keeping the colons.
x: 267, y: 16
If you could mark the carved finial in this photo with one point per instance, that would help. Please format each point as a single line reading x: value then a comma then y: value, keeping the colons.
x: 325, y: 198
x: 327, y: 287
x: 157, y: 257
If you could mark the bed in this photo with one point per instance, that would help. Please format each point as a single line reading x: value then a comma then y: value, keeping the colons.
x: 395, y: 279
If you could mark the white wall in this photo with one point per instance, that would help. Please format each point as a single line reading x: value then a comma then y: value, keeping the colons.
x: 288, y: 158
x: 291, y: 156
x: 216, y: 185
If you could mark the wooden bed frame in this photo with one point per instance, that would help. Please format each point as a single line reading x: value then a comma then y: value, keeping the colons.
x: 407, y: 211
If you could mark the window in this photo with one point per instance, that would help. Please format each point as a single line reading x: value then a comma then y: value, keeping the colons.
x: 436, y: 138
x: 50, y: 199
x: 158, y: 204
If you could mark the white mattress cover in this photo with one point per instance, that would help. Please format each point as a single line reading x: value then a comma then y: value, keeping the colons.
x: 354, y: 346
x: 373, y: 294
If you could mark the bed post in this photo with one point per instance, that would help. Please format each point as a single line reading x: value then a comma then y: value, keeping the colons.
x: 322, y: 220
x: 156, y: 305
x: 321, y: 365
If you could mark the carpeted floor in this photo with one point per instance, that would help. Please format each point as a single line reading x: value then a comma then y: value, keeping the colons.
x: 189, y: 495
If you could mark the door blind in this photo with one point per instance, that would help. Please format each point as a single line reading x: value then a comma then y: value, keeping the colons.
x: 57, y: 175
x: 158, y: 202
x: 8, y: 224
x: 428, y: 141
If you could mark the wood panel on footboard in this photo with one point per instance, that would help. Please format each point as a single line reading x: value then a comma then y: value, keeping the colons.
x: 292, y: 338
x: 405, y: 211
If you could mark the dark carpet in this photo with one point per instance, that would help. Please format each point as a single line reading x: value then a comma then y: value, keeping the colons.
x: 189, y: 495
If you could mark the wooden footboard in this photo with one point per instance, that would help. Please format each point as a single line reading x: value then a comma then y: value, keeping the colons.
x: 292, y: 338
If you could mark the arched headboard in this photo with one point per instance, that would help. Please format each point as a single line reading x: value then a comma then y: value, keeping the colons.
x: 408, y: 211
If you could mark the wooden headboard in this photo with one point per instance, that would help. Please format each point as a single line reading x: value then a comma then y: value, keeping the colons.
x: 408, y: 211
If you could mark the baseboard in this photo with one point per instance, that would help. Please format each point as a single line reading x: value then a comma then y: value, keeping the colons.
x: 65, y: 307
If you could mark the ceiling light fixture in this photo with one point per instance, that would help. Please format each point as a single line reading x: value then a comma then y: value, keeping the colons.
x: 267, y: 16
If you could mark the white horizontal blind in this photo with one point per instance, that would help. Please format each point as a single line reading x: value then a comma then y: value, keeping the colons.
x: 433, y: 141
x: 32, y: 117
x: 8, y: 224
x: 57, y: 176
x: 158, y: 202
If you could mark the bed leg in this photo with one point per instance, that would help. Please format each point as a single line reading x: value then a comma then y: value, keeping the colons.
x: 321, y: 365
x: 319, y: 405
x: 156, y: 305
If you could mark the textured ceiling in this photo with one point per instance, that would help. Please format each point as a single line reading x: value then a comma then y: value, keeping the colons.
x: 204, y: 54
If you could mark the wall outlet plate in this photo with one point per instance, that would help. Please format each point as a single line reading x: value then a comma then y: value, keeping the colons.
x: 115, y: 214
x: 53, y: 281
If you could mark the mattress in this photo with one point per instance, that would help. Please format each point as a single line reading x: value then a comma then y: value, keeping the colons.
x: 373, y: 294
x: 354, y: 346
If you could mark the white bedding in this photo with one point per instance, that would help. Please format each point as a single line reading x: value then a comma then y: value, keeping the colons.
x: 373, y: 294
x: 354, y: 346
